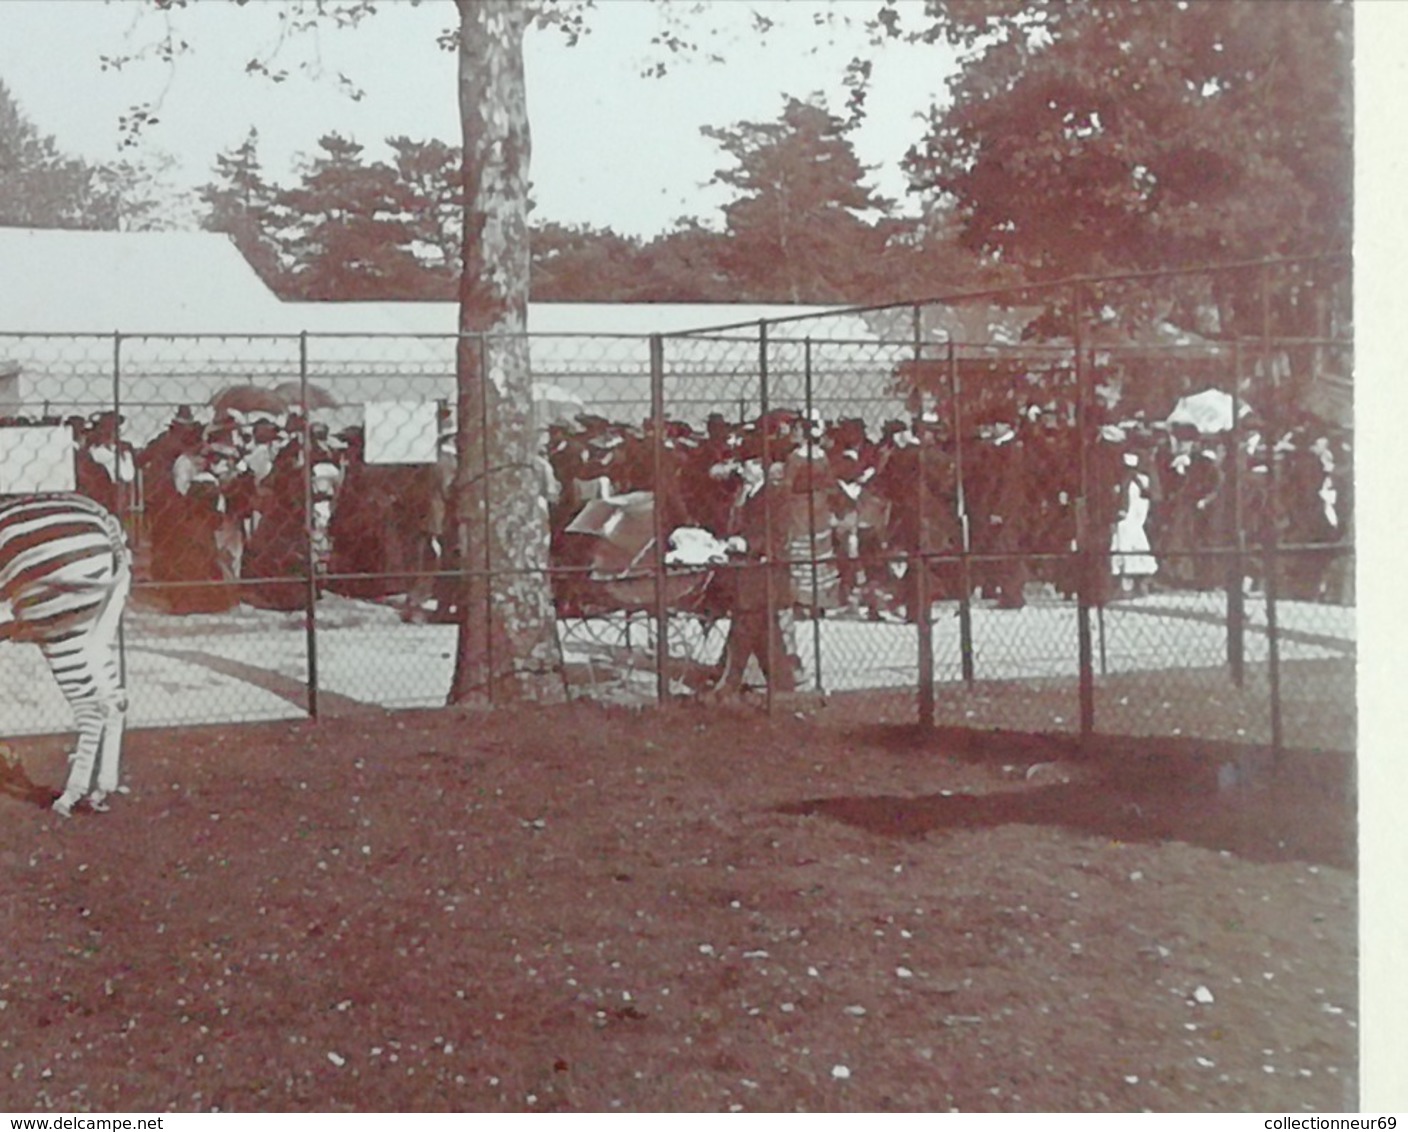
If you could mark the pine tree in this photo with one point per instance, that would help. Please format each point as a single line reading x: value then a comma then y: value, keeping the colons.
x: 431, y: 194
x: 348, y: 234
x: 800, y: 230
x: 241, y: 203
x: 39, y: 186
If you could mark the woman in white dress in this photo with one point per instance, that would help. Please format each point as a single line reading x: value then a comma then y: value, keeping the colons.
x: 1130, y: 558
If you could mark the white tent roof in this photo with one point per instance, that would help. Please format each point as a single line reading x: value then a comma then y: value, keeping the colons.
x: 154, y: 285
x: 83, y: 282
x: 64, y: 282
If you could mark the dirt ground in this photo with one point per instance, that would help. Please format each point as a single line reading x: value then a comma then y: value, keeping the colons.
x: 696, y: 909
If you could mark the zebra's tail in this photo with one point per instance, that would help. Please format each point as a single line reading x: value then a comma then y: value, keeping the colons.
x: 121, y: 553
x: 121, y: 584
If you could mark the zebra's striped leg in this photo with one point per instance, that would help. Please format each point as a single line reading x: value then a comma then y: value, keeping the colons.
x: 110, y: 751
x: 113, y: 697
x: 92, y: 681
x: 89, y: 716
x: 108, y: 697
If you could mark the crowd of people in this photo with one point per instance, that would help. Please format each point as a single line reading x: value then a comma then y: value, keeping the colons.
x: 993, y: 511
x: 818, y: 515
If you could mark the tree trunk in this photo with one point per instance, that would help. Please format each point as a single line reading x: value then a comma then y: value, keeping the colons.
x: 508, y: 646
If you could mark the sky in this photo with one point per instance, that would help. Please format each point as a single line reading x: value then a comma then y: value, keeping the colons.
x: 610, y: 147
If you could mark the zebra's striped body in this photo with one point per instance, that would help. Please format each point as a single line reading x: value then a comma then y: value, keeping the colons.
x: 65, y: 572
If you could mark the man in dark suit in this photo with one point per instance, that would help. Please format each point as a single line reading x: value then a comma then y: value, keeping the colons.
x: 762, y: 581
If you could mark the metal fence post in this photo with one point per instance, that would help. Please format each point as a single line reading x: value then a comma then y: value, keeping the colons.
x: 919, y: 584
x: 310, y: 559
x: 658, y: 533
x: 813, y: 447
x: 1085, y: 548
x: 121, y: 493
x: 767, y: 564
x: 965, y: 565
x: 1273, y: 535
x: 121, y: 497
x: 1236, y: 599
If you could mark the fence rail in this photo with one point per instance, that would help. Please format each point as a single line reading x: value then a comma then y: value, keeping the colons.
x: 910, y: 507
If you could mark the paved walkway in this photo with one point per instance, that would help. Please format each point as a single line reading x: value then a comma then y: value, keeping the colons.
x: 251, y: 664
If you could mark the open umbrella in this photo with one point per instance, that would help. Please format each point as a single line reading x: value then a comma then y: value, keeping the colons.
x: 1209, y: 411
x: 248, y: 399
x: 318, y: 398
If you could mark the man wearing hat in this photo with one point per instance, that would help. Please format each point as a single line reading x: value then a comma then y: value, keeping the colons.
x: 224, y: 462
x: 180, y: 501
x: 105, y: 464
x: 762, y: 582
x: 707, y: 481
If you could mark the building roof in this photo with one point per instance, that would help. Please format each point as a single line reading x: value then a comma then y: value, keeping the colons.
x: 58, y: 281
x: 69, y: 282
x: 159, y: 288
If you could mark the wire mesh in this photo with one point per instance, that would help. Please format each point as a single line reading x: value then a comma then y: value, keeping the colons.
x: 1079, y: 487
x: 914, y: 509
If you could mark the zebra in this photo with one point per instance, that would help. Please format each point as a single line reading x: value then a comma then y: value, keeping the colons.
x: 65, y: 573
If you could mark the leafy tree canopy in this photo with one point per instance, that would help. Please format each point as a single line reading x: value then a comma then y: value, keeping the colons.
x: 357, y: 228
x: 1097, y: 135
x: 573, y: 261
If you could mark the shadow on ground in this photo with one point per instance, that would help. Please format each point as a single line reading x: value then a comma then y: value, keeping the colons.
x: 1231, y: 798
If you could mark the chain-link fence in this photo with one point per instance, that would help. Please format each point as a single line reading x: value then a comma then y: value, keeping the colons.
x: 1084, y: 523
x: 1000, y: 510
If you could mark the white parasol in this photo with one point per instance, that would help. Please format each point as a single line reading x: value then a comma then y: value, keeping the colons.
x: 1209, y: 411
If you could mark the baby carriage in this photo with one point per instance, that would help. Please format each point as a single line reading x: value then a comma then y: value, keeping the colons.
x: 610, y: 620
